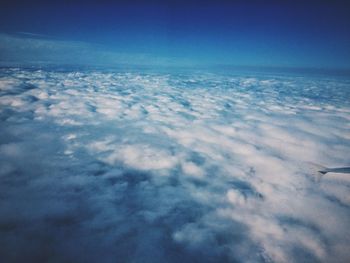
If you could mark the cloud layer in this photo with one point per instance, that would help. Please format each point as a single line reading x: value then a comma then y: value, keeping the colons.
x: 98, y: 166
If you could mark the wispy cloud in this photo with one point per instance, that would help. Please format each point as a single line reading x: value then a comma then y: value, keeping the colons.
x: 26, y: 48
x: 30, y: 34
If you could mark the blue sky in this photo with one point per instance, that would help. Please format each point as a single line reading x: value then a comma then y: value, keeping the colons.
x: 251, y: 33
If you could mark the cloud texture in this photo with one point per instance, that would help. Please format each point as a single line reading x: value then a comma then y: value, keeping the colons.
x: 99, y: 166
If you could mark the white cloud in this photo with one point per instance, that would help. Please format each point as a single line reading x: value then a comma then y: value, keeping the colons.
x: 86, y: 153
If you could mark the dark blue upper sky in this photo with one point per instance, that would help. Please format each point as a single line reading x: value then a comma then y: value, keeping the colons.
x: 254, y: 33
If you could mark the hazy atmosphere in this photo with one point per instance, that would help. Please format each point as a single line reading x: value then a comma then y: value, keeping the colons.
x: 174, y: 131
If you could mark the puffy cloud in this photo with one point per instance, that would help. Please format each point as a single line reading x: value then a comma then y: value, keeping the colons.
x: 190, y: 167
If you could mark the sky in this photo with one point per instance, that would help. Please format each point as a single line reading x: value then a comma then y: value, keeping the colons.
x: 182, y: 33
x: 104, y: 164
